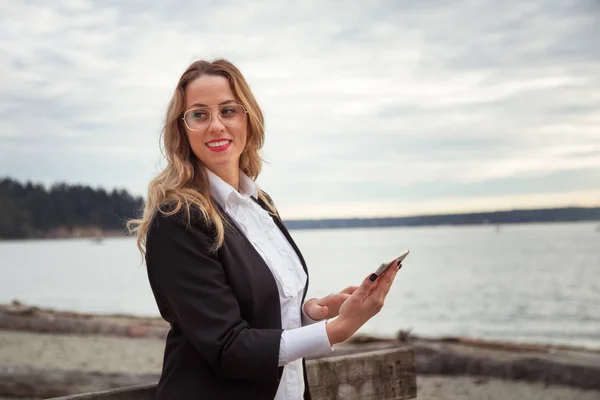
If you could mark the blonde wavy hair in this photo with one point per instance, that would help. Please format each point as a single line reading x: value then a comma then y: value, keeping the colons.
x: 183, y: 183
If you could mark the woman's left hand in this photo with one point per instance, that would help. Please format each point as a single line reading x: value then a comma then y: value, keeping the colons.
x: 328, y: 306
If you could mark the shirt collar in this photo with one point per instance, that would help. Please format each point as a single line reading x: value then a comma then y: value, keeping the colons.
x: 222, y: 191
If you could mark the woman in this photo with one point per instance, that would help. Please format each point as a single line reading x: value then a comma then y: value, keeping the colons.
x: 224, y: 270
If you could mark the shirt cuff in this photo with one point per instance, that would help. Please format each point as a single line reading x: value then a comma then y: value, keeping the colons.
x: 307, y: 341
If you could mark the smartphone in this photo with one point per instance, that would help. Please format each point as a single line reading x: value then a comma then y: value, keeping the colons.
x: 383, y: 267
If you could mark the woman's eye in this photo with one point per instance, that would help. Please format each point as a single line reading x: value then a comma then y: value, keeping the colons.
x: 228, y: 111
x: 199, y: 114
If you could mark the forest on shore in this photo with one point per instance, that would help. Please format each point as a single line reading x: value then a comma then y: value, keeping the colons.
x: 33, y: 211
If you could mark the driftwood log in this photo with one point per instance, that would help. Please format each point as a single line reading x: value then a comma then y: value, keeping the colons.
x: 32, y: 320
x: 530, y: 367
x: 578, y: 369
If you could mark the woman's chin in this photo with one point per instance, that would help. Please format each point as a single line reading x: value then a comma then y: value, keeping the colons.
x: 221, y: 162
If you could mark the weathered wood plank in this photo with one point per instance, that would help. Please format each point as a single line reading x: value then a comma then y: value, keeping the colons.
x: 26, y: 381
x: 141, y: 392
x: 383, y: 374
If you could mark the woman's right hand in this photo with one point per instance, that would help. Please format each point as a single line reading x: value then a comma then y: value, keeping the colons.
x: 361, y: 306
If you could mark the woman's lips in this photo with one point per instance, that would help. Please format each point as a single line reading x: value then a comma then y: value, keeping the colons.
x: 219, y: 145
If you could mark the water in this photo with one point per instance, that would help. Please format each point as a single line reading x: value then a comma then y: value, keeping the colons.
x: 534, y: 283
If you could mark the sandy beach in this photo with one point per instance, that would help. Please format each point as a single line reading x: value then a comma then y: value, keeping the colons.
x: 122, y: 354
x: 39, y: 340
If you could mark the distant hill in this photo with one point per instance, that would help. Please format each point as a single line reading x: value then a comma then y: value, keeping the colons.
x: 569, y: 214
x: 32, y: 211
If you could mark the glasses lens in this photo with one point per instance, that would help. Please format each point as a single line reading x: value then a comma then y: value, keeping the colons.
x: 232, y: 114
x: 198, y: 119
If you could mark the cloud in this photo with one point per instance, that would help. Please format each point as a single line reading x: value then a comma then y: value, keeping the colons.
x: 389, y: 96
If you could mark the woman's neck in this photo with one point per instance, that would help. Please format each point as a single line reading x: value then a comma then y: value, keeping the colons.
x: 230, y: 176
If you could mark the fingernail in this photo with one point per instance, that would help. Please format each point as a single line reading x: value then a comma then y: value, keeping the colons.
x: 373, y: 277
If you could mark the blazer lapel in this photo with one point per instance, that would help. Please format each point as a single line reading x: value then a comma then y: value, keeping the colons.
x: 260, y: 261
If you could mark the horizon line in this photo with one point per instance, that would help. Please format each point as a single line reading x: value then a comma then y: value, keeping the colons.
x: 441, y: 214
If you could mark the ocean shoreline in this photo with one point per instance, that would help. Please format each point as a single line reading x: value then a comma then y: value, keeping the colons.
x: 97, y: 234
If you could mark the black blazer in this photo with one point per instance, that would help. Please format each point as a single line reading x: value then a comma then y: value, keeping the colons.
x: 223, y: 309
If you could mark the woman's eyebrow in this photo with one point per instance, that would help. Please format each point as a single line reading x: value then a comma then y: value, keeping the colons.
x: 220, y: 104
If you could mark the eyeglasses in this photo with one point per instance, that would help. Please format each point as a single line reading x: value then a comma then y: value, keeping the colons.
x: 198, y: 119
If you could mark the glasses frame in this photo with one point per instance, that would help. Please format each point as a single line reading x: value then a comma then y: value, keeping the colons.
x: 210, y: 115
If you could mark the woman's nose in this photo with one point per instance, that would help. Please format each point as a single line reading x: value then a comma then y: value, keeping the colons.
x: 215, y: 123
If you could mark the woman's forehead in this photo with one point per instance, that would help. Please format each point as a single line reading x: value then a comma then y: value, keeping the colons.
x: 208, y: 90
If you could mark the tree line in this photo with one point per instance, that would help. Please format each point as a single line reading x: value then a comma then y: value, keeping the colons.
x: 565, y: 214
x: 32, y: 211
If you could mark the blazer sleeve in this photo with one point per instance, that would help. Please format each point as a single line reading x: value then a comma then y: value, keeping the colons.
x: 194, y: 288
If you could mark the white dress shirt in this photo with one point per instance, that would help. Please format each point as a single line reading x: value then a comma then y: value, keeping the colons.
x: 302, y: 337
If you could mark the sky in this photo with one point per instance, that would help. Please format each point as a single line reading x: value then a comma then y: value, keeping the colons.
x: 378, y: 108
